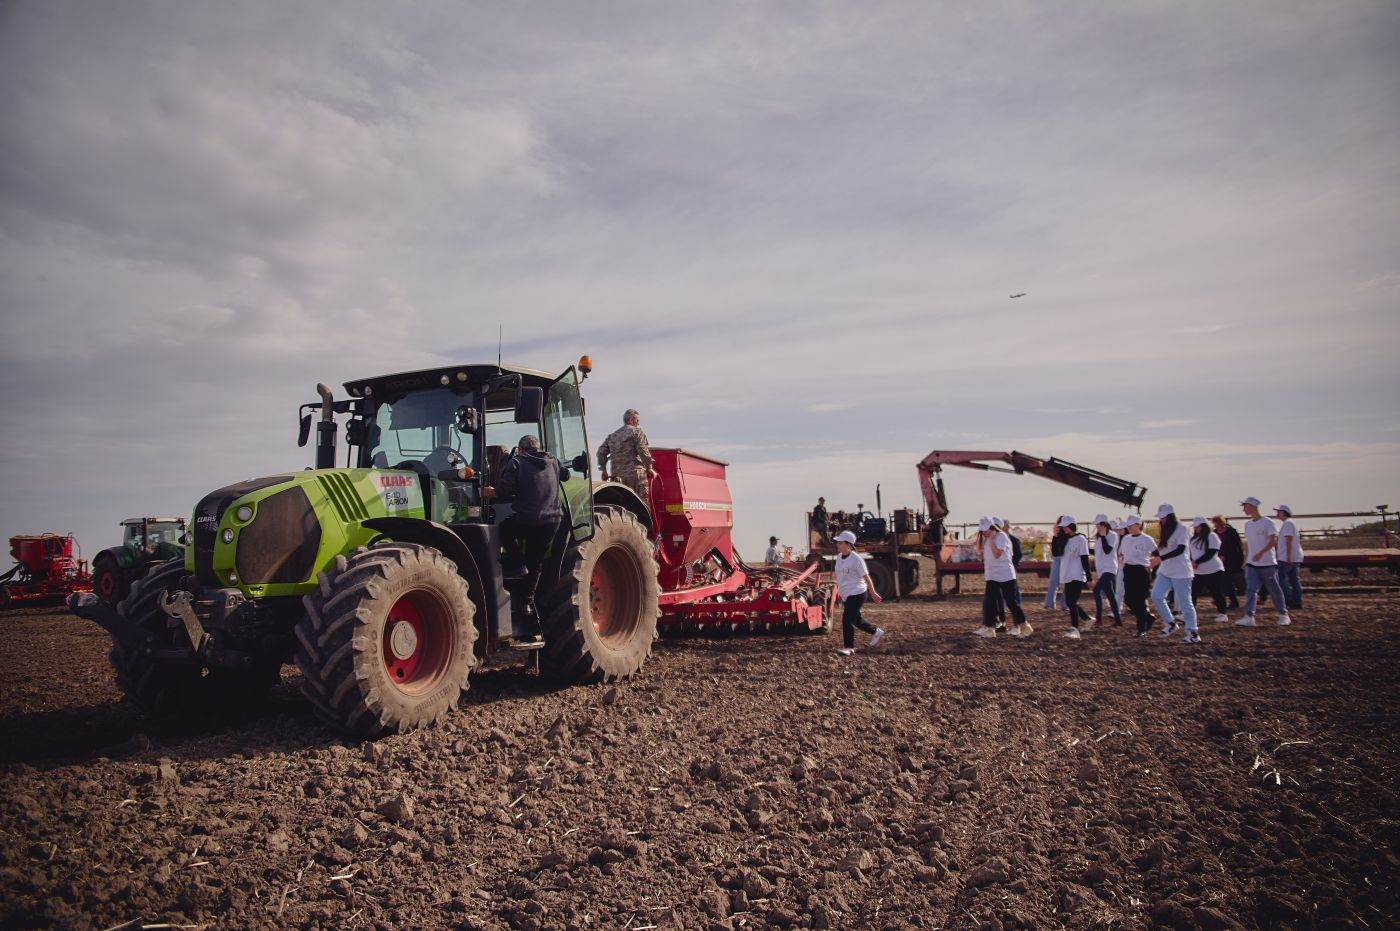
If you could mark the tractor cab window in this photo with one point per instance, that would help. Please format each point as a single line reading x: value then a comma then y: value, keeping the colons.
x: 131, y: 536
x: 163, y: 533
x: 419, y: 427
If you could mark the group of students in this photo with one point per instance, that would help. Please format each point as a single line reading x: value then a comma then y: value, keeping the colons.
x: 1206, y: 559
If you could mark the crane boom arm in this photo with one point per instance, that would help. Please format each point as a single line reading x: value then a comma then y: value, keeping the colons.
x: 1018, y: 463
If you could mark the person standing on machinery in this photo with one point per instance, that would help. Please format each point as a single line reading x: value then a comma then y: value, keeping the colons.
x: 529, y: 482
x: 629, y: 451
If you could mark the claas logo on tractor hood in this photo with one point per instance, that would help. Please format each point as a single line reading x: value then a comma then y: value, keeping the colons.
x: 395, y: 481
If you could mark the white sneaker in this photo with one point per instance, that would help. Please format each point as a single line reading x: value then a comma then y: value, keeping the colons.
x: 846, y: 651
x: 1246, y: 621
x: 1192, y: 637
x: 1221, y: 618
x: 1022, y: 630
x: 1072, y: 633
x: 1284, y: 620
x: 1166, y: 631
x: 876, y: 637
x: 984, y: 632
x: 1088, y: 625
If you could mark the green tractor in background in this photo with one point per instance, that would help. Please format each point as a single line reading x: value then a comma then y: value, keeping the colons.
x: 384, y: 580
x: 146, y: 541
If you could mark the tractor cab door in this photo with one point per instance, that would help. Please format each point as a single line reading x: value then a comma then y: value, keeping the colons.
x: 566, y: 438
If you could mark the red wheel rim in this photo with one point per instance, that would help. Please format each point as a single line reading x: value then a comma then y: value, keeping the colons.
x: 615, y: 595
x: 419, y: 640
x: 107, y: 583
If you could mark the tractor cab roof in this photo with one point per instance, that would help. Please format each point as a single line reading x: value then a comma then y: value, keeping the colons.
x: 463, y: 376
x: 136, y: 521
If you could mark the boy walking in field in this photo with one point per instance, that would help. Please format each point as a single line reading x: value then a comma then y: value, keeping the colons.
x: 852, y: 585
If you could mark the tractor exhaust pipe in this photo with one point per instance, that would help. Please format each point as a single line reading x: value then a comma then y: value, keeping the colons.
x: 326, y: 430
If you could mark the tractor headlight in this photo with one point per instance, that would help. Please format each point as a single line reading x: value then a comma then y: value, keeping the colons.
x: 243, y: 514
x: 227, y: 535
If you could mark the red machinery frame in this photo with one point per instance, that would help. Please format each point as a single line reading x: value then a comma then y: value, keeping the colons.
x: 705, y: 585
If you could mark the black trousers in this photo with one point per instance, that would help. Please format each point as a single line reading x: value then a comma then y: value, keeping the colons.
x: 1215, y: 584
x: 526, y: 546
x: 1235, y: 588
x: 851, y: 619
x: 1137, y: 582
x: 1107, y: 585
x: 1072, y: 592
x: 998, y: 597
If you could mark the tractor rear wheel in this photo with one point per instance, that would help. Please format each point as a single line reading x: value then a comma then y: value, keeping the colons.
x: 908, y: 575
x: 178, y: 693
x: 109, y: 581
x: 600, y: 620
x: 386, y: 644
x: 882, y: 576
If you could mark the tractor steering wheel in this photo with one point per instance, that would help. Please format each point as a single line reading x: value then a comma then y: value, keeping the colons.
x: 453, y: 460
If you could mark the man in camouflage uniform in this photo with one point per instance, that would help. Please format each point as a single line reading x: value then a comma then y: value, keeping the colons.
x: 630, y: 453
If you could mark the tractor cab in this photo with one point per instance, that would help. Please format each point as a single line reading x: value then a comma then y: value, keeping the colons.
x: 161, y: 537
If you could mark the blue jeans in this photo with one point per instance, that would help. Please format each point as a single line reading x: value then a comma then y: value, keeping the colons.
x: 1181, y: 594
x: 1265, y: 577
x: 1053, y: 598
x: 1291, y: 583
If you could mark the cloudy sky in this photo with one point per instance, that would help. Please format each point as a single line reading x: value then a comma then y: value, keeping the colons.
x: 786, y: 232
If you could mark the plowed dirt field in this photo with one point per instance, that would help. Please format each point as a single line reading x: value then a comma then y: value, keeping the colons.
x: 939, y: 781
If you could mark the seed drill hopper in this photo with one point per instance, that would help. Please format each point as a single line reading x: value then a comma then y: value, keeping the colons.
x: 705, y: 586
x: 46, y: 566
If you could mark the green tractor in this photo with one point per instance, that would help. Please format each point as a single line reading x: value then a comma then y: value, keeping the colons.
x: 146, y: 541
x: 384, y: 580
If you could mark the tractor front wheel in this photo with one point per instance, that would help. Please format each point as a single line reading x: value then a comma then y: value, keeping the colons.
x: 386, y: 644
x: 180, y: 694
x: 110, y: 582
x: 600, y: 620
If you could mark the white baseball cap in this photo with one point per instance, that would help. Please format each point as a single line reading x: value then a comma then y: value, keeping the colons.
x: 985, y: 524
x: 1251, y: 501
x: 1066, y: 520
x: 1132, y: 519
x: 1100, y: 518
x: 1115, y: 524
x: 1198, y: 521
x: 1164, y: 509
x: 998, y: 523
x: 846, y: 536
x: 1285, y: 509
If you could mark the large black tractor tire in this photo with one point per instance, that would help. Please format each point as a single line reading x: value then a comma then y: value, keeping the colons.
x: 386, y: 644
x: 908, y: 575
x: 882, y: 576
x: 110, y: 582
x: 176, y: 694
x: 600, y: 620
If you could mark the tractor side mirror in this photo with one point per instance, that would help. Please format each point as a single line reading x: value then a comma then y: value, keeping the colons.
x: 304, y: 433
x: 579, y: 464
x: 468, y: 421
x: 529, y: 406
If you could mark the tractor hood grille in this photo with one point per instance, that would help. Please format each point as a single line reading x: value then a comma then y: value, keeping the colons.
x: 207, y: 514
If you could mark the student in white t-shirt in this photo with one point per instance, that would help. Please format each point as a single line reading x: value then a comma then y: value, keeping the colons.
x: 852, y: 585
x: 1121, y: 529
x: 1290, y: 557
x: 1261, y: 564
x: 1174, y: 574
x: 1137, y: 549
x: 1074, y: 575
x: 1210, y: 578
x: 1106, y: 565
x: 999, y: 581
